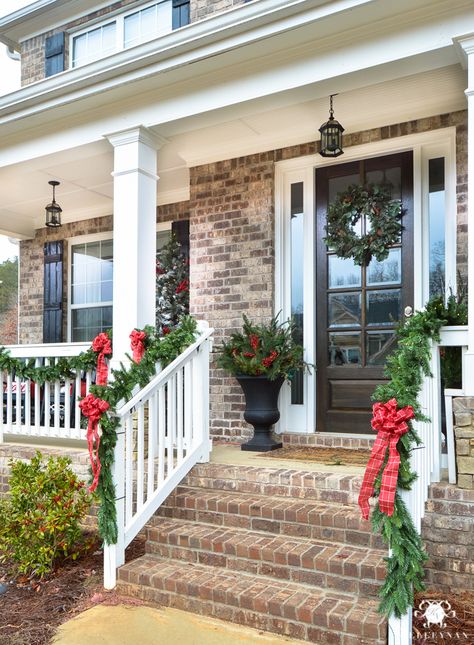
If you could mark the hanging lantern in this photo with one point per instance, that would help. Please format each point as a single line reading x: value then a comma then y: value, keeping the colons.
x: 53, y: 210
x: 331, y: 135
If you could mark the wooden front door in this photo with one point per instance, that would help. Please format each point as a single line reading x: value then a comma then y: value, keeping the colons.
x: 359, y: 307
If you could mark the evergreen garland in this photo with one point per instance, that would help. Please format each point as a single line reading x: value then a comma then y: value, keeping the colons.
x: 158, y: 349
x: 406, y: 369
x: 172, y: 285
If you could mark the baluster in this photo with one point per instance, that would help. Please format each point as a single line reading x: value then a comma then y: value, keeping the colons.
x: 57, y: 406
x: 27, y: 419
x: 67, y: 407
x: 152, y: 430
x: 140, y: 455
x: 170, y: 412
x: 77, y: 409
x: 128, y: 468
x: 188, y: 401
x: 47, y: 404
x: 179, y: 412
x: 161, y: 435
x: 9, y: 401
x: 88, y: 381
x: 37, y: 402
x: 18, y: 404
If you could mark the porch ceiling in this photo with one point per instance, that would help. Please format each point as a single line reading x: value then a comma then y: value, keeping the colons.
x: 85, y: 171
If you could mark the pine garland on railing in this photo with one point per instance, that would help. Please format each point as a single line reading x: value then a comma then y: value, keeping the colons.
x: 158, y: 349
x: 406, y: 369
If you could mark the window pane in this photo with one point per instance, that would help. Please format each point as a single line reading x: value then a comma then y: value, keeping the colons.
x: 87, y: 323
x: 147, y: 24
x: 343, y: 273
x: 387, y: 272
x: 107, y: 291
x: 297, y: 272
x: 162, y: 238
x: 79, y: 294
x: 94, y: 44
x: 108, y: 38
x: 344, y: 348
x: 390, y: 178
x: 344, y: 309
x: 131, y: 30
x: 383, y: 307
x: 379, y: 345
x: 436, y: 225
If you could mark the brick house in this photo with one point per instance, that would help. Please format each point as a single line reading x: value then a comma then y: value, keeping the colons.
x: 202, y: 117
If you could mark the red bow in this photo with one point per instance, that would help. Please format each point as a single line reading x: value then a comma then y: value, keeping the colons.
x: 103, y: 346
x: 137, y: 343
x: 391, y: 424
x: 93, y: 408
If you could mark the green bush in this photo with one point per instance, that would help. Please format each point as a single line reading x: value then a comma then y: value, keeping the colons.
x: 40, y: 520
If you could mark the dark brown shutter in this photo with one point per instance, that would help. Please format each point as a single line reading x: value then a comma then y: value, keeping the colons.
x: 54, y: 54
x: 181, y: 15
x: 53, y: 293
x: 181, y: 231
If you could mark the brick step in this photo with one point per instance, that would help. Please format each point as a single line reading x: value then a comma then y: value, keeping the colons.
x: 301, y: 484
x: 277, y: 606
x: 348, y: 569
x: 276, y: 515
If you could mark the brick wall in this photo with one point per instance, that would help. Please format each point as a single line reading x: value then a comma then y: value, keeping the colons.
x: 231, y: 214
x: 32, y: 50
x: 203, y: 8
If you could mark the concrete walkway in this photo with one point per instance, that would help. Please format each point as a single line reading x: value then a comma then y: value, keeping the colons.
x: 129, y: 625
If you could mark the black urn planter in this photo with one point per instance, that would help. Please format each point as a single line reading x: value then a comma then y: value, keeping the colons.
x: 261, y: 410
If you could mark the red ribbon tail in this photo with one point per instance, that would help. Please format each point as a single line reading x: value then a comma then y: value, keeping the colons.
x: 389, y: 479
x: 93, y: 437
x: 374, y: 465
x: 102, y: 370
x: 138, y: 353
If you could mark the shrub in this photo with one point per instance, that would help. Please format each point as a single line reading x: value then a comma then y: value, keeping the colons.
x: 40, y: 520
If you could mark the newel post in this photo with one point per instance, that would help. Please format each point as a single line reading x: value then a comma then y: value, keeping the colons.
x: 466, y: 46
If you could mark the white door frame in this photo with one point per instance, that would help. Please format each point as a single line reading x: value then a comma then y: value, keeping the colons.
x: 425, y: 146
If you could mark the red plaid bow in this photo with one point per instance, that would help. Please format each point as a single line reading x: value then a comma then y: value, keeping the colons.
x: 137, y: 343
x: 103, y: 346
x: 93, y: 408
x: 390, y: 424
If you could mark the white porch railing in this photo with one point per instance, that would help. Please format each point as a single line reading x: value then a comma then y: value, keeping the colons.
x: 47, y: 410
x: 164, y: 432
x: 426, y: 460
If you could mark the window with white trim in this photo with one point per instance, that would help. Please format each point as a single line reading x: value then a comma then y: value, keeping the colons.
x: 91, y: 289
x: 128, y: 29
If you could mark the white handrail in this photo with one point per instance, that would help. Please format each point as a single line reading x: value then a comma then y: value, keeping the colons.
x: 163, y: 433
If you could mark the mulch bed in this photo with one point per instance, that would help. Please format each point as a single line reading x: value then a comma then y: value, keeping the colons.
x: 458, y: 625
x: 326, y: 456
x: 32, y: 610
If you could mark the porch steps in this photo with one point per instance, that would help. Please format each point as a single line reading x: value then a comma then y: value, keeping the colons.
x: 448, y: 534
x: 281, y: 550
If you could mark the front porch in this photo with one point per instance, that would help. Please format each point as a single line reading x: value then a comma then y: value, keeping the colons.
x: 215, y: 138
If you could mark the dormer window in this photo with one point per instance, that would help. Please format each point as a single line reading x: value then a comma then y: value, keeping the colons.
x: 127, y: 30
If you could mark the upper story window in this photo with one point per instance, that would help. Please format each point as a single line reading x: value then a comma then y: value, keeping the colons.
x: 127, y: 30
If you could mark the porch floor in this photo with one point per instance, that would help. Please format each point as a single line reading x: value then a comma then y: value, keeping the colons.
x: 232, y: 454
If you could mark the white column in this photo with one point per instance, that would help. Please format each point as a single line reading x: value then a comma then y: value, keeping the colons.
x: 467, y: 49
x: 134, y: 233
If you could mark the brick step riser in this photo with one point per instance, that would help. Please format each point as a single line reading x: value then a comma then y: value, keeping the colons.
x: 283, y: 477
x: 309, y: 492
x: 342, y: 535
x: 368, y: 587
x: 266, y: 613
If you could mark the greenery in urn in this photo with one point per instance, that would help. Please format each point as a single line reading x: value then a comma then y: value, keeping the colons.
x: 266, y: 349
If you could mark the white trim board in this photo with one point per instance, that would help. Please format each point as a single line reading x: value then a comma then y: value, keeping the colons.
x: 425, y: 146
